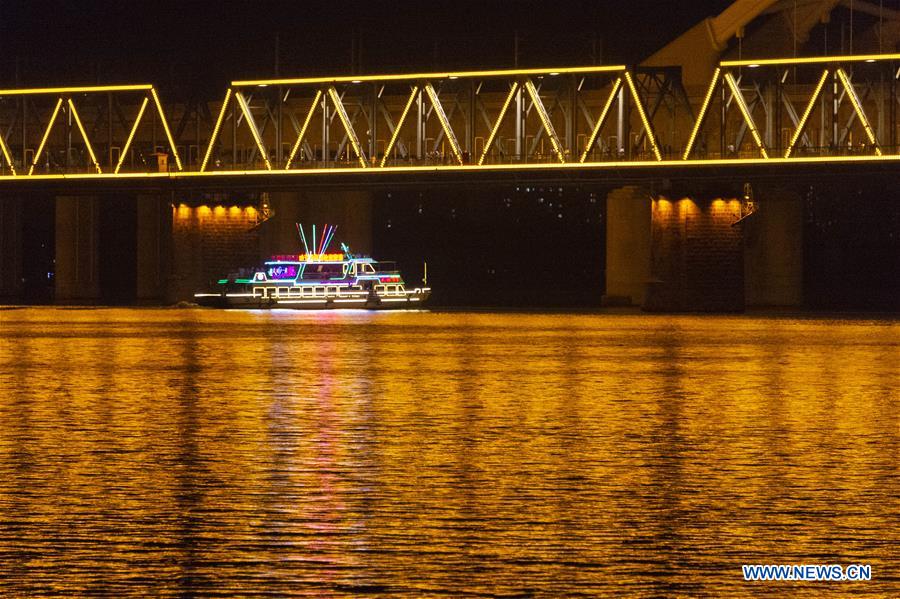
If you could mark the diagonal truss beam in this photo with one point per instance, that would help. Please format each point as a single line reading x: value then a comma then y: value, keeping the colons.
x: 801, y: 124
x: 617, y: 84
x: 702, y: 114
x: 302, y: 133
x: 545, y: 119
x: 414, y: 91
x: 857, y: 106
x: 642, y: 113
x: 445, y: 122
x: 493, y: 134
x: 254, y: 131
x: 7, y: 156
x: 165, y: 124
x: 745, y: 111
x: 215, y: 131
x: 134, y: 128
x: 84, y: 136
x: 348, y: 125
x: 357, y: 109
x: 37, y: 154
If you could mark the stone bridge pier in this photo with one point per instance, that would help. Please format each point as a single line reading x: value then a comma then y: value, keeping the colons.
x: 696, y: 250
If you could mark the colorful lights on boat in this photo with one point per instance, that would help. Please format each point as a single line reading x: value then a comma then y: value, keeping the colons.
x: 282, y: 271
x: 307, y: 258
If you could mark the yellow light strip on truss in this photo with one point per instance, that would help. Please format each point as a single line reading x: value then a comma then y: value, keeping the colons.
x: 131, y: 134
x: 73, y: 90
x: 215, y: 132
x: 440, y: 75
x: 811, y: 60
x: 302, y: 133
x: 498, y: 122
x: 84, y: 136
x: 40, y: 149
x: 348, y: 126
x: 387, y: 150
x: 808, y: 111
x: 702, y: 114
x: 251, y: 124
x: 7, y: 156
x: 545, y: 119
x: 739, y: 98
x: 445, y: 123
x: 851, y: 93
x: 601, y: 119
x: 640, y: 108
x: 165, y: 124
x: 612, y: 166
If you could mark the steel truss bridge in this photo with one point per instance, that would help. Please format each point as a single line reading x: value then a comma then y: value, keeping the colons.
x: 797, y: 111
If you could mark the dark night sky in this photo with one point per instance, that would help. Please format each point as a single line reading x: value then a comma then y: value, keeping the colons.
x: 206, y: 44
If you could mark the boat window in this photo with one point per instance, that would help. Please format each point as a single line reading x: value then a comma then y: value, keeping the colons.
x: 368, y: 269
x: 323, y: 271
x: 282, y: 271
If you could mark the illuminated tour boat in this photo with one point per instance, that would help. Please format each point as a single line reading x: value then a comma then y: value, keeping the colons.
x: 317, y: 280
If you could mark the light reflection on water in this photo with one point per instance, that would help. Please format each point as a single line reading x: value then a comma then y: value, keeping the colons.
x: 347, y: 454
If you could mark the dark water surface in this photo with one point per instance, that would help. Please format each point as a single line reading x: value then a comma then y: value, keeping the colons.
x: 190, y: 452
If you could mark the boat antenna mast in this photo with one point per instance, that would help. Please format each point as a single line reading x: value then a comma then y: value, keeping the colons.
x: 316, y: 249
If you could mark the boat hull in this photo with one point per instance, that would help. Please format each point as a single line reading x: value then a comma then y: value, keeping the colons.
x: 413, y: 300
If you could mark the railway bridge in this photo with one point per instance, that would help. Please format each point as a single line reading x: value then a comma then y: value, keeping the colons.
x: 702, y: 154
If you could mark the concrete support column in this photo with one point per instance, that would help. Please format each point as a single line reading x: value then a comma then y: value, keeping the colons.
x: 11, y: 224
x: 628, y: 211
x: 210, y: 239
x: 696, y: 260
x: 773, y: 250
x: 154, y: 241
x: 77, y: 243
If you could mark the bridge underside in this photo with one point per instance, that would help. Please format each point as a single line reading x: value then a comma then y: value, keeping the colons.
x: 690, y: 241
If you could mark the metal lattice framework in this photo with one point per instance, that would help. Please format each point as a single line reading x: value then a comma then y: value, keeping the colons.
x: 93, y: 129
x: 431, y: 119
x: 799, y: 108
x: 832, y: 109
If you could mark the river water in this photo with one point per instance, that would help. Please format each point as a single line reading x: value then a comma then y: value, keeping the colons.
x: 199, y: 452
